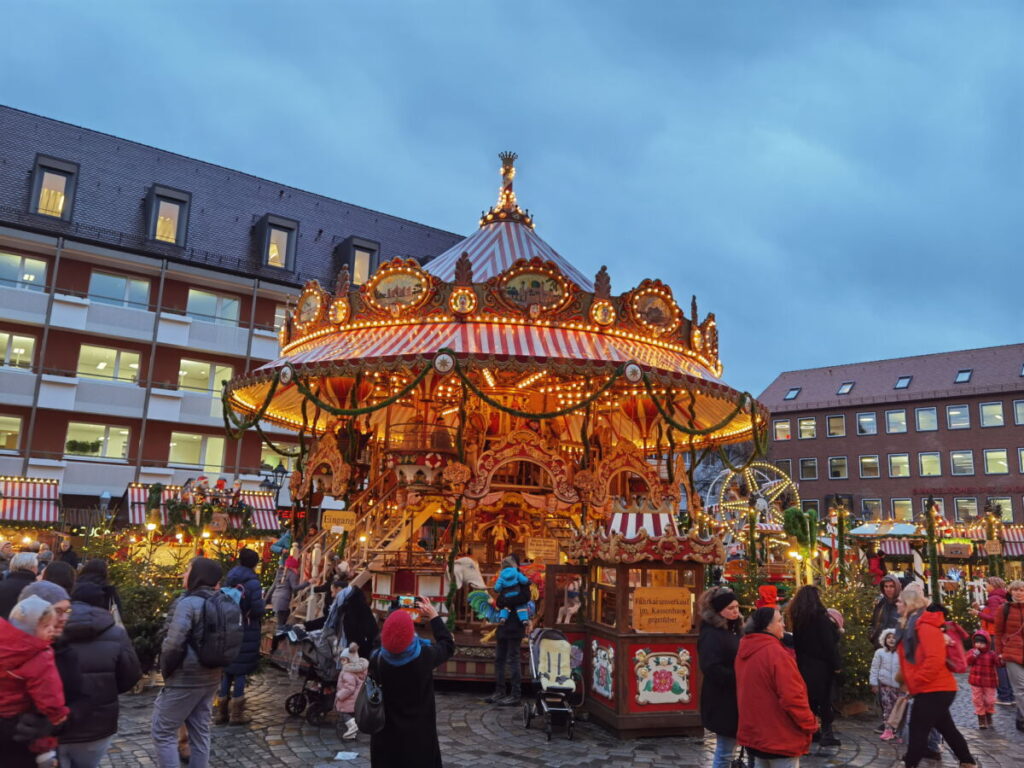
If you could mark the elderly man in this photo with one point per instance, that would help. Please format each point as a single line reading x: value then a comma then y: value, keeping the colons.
x: 6, y: 553
x: 22, y: 572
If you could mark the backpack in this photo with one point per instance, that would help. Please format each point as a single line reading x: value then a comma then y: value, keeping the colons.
x: 218, y: 637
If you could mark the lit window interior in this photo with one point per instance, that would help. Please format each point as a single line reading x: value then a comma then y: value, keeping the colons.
x: 277, y: 248
x: 360, y: 266
x: 52, y: 192
x: 167, y: 216
x: 10, y: 430
x: 17, y: 351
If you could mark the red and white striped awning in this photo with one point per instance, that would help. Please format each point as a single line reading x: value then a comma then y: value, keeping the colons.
x: 264, y: 511
x: 1009, y: 533
x: 769, y: 528
x: 1013, y: 549
x: 29, y: 500
x: 629, y: 524
x: 138, y: 495
x: 896, y: 547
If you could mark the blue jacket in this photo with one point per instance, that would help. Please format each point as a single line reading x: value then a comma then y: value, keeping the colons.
x: 507, y: 586
x: 253, y: 607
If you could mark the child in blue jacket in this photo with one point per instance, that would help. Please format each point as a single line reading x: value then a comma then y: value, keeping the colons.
x: 512, y: 587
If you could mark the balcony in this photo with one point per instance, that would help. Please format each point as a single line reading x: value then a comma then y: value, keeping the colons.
x: 109, y: 398
x: 265, y: 345
x: 23, y: 306
x: 18, y: 386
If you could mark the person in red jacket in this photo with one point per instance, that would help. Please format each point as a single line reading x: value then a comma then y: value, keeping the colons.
x: 996, y: 596
x: 1010, y: 643
x: 983, y: 662
x: 775, y: 720
x: 922, y: 649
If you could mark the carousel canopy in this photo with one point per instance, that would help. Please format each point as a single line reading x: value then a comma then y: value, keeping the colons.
x: 517, y: 319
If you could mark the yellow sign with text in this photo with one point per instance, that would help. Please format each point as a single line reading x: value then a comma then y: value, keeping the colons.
x: 662, y: 609
x: 338, y: 518
x: 542, y: 550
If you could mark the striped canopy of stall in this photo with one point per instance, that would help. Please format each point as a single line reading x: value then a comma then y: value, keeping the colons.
x: 629, y: 524
x: 29, y: 500
x: 263, y: 503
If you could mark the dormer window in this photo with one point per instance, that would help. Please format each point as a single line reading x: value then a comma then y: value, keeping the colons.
x: 277, y: 241
x: 792, y: 393
x: 361, y: 256
x: 903, y: 382
x: 53, y: 187
x: 845, y: 388
x: 963, y: 375
x: 167, y: 214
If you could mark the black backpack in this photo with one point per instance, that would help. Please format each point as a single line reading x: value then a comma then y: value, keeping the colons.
x: 218, y: 637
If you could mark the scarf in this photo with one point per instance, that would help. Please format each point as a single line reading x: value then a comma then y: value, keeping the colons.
x: 410, y: 653
x: 908, y: 636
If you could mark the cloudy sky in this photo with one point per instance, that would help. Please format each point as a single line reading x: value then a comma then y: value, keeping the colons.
x: 838, y: 181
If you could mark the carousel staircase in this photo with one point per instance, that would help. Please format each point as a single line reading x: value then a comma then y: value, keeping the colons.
x: 562, y: 529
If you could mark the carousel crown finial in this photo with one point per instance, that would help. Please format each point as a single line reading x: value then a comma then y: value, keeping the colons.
x: 507, y: 209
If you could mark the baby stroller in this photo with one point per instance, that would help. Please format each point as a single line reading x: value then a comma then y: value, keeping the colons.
x: 316, y: 663
x: 559, y: 689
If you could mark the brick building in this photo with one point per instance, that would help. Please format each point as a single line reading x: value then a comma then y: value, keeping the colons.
x: 132, y: 282
x: 886, y: 434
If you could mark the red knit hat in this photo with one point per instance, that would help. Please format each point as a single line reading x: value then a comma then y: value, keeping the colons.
x: 397, y: 633
x: 292, y: 563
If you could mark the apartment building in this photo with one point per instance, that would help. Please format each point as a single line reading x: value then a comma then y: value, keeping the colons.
x: 132, y: 282
x: 887, y: 434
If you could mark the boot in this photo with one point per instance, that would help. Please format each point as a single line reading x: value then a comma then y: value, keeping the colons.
x: 828, y: 738
x: 988, y: 720
x: 351, y: 730
x: 220, y: 710
x: 236, y: 711
x: 184, y: 750
x: 982, y: 722
x: 514, y: 697
x: 497, y: 695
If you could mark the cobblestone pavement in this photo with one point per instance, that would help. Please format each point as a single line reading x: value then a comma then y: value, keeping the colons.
x: 474, y: 734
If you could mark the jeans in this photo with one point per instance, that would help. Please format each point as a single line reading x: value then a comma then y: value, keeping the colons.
x: 226, y: 686
x: 1004, y: 692
x: 725, y: 748
x: 779, y: 762
x: 507, y: 652
x: 191, y: 706
x: 931, y: 710
x: 84, y: 754
x: 1015, y: 674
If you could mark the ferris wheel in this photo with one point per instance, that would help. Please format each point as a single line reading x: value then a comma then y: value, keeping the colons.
x: 761, y: 485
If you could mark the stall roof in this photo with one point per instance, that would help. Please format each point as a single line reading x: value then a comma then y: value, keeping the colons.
x: 264, y: 511
x: 886, y: 528
x: 29, y: 500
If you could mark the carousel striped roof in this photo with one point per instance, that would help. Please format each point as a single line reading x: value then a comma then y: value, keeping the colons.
x: 495, y: 247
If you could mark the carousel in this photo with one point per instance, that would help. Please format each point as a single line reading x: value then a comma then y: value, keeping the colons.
x: 497, y: 400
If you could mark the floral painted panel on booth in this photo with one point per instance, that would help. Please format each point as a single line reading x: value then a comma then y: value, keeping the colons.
x: 602, y: 682
x: 662, y: 678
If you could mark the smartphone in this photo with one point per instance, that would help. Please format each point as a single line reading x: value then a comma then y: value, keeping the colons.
x: 407, y: 601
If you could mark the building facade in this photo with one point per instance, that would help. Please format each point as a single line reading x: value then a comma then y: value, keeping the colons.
x: 885, y: 435
x: 133, y: 281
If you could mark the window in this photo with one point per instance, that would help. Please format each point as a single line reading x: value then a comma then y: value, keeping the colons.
x: 867, y: 424
x: 105, y: 363
x: 212, y: 307
x: 269, y: 458
x: 899, y: 465
x: 10, y: 433
x: 361, y: 260
x: 17, y: 351
x: 996, y: 461
x: 991, y: 414
x: 845, y: 388
x: 903, y: 382
x: 896, y: 422
x: 939, y: 504
x: 961, y: 462
x: 167, y: 212
x: 808, y: 504
x: 835, y: 426
x: 871, y: 509
x: 96, y: 440
x: 958, y: 417
x: 53, y: 187
x: 965, y: 509
x: 1018, y: 412
x: 837, y: 468
x: 119, y: 290
x: 927, y: 419
x: 869, y: 467
x: 792, y: 393
x: 808, y: 469
x: 1020, y: 460
x: 203, y: 377
x: 929, y: 464
x: 902, y: 510
x: 786, y: 465
x: 1003, y: 506
x: 201, y: 451
x: 782, y: 429
x: 278, y: 241
x: 963, y: 376
x: 22, y: 272
x: 281, y: 311
x: 808, y: 427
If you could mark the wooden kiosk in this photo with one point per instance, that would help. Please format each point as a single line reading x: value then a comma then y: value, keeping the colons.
x: 641, y: 671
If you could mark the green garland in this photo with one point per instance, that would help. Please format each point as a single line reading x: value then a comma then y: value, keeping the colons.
x: 688, y: 430
x: 303, y: 388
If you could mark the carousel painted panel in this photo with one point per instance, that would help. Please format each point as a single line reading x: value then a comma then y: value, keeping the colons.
x: 602, y: 671
x: 661, y: 677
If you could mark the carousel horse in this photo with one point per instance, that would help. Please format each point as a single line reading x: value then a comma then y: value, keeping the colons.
x: 466, y: 571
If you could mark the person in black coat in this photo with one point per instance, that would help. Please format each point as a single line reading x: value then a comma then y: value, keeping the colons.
x: 94, y: 571
x: 816, y: 640
x: 21, y: 573
x: 109, y: 667
x: 404, y: 666
x: 68, y: 555
x: 229, y: 706
x: 352, y: 619
x: 720, y: 629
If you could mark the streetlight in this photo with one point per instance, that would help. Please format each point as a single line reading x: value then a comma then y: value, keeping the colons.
x: 273, y: 480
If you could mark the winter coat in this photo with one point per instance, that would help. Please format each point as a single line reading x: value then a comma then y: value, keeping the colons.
x: 817, y: 656
x: 993, y: 605
x: 285, y: 589
x: 10, y: 589
x: 928, y: 673
x: 511, y: 629
x: 109, y: 667
x: 352, y: 620
x: 28, y: 676
x: 179, y: 662
x: 409, y: 736
x: 774, y: 716
x: 716, y: 650
x: 350, y: 681
x: 983, y: 665
x: 70, y: 557
x: 885, y: 665
x: 885, y: 614
x: 253, y: 607
x: 1010, y: 632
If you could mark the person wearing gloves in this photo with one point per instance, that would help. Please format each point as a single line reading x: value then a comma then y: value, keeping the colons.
x: 350, y: 682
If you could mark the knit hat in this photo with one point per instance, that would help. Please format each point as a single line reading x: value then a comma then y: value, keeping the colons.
x: 203, y: 572
x: 47, y: 590
x: 398, y: 632
x: 768, y: 596
x: 352, y: 652
x: 837, y: 617
x: 27, y: 613
x: 292, y: 563
x: 722, y: 600
x: 248, y: 558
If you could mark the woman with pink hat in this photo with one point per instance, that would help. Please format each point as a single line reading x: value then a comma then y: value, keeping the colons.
x: 287, y: 585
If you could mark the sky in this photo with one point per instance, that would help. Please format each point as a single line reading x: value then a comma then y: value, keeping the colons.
x: 837, y: 181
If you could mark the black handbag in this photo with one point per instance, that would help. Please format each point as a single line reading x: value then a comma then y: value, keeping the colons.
x: 741, y: 762
x: 369, y: 712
